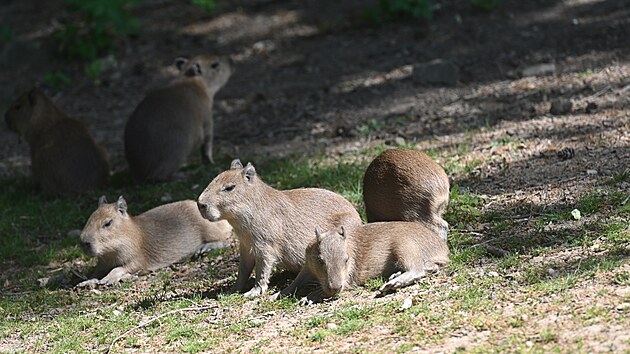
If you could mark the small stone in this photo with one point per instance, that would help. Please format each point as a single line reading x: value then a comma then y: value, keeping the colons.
x: 529, y: 343
x: 332, y: 325
x: 560, y: 106
x: 116, y: 313
x: 166, y: 197
x: 74, y: 233
x: 438, y: 72
x: 590, y: 107
x: 591, y: 172
x: 539, y: 70
x: 43, y: 282
x: 552, y: 272
x: 623, y: 292
x: 623, y: 307
x: 577, y: 215
x: 406, y: 304
x: 399, y: 141
x: 493, y: 274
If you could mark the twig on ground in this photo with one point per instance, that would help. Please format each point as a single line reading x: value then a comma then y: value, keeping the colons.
x: 200, y: 308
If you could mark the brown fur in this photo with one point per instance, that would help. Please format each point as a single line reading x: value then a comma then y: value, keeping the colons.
x: 124, y: 244
x: 406, y: 185
x: 64, y: 157
x: 402, y: 251
x: 173, y: 122
x: 274, y: 227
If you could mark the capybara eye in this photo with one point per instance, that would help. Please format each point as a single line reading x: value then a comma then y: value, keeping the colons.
x: 229, y: 188
x: 214, y: 65
x: 320, y: 260
x: 107, y: 224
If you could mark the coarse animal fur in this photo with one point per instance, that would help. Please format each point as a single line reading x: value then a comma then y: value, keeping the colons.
x: 65, y: 159
x: 171, y: 123
x: 344, y: 258
x: 273, y: 227
x: 125, y: 244
x: 406, y: 185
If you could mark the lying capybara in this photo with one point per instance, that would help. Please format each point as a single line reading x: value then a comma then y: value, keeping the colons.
x: 125, y: 244
x: 402, y: 251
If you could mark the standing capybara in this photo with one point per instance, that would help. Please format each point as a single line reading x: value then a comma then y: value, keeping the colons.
x: 273, y: 227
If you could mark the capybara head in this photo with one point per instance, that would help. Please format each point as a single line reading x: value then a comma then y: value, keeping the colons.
x: 231, y: 193
x: 327, y: 259
x: 213, y: 69
x: 29, y: 110
x: 106, y: 231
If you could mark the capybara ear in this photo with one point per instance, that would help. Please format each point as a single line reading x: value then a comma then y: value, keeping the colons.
x: 249, y: 172
x: 343, y: 232
x: 236, y: 163
x: 180, y: 62
x: 122, y: 205
x: 102, y: 200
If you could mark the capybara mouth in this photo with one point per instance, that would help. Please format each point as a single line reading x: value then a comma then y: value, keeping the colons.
x: 203, y: 210
x: 86, y: 247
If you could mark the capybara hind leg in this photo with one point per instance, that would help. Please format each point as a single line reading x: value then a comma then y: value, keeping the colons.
x: 402, y: 280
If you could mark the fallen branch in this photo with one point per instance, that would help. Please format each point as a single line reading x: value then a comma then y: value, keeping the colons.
x: 201, y: 308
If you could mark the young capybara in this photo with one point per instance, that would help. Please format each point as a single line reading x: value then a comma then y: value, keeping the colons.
x: 273, y: 227
x: 64, y: 157
x: 125, y: 244
x: 171, y: 123
x: 398, y: 250
x: 406, y: 185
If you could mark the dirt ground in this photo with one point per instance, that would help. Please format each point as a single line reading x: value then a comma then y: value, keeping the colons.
x: 311, y: 74
x: 313, y: 77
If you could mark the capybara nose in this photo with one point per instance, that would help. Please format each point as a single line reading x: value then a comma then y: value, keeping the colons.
x: 86, y: 246
x: 335, y: 288
x: 202, y: 207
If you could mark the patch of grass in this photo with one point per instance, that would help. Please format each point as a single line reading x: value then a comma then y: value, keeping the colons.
x: 42, y: 319
x: 6, y: 34
x: 57, y: 80
x: 374, y: 284
x: 586, y: 73
x: 464, y: 208
x: 621, y: 278
x: 94, y: 70
x: 485, y: 5
x: 389, y: 10
x: 370, y: 126
x: 504, y: 141
x: 94, y: 27
x: 207, y: 5
x: 547, y: 335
